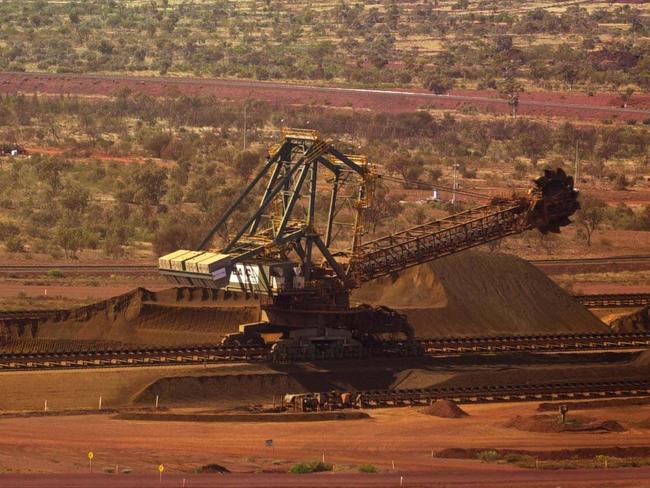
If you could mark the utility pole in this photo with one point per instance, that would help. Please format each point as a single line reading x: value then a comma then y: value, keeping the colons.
x: 575, y: 164
x: 245, y: 107
x: 454, y: 185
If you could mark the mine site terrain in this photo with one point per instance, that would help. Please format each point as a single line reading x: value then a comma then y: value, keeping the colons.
x: 338, y: 243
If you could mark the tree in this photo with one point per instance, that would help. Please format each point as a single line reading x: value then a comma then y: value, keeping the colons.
x: 511, y: 88
x: 590, y: 216
x: 177, y: 234
x: 438, y: 83
x: 433, y: 174
x: 569, y: 73
x: 533, y: 139
x: 392, y: 15
x: 50, y: 170
x: 105, y: 47
x: 246, y: 163
x: 503, y: 43
x: 8, y: 230
x: 385, y: 207
x: 75, y: 198
x: 156, y: 142
x: 150, y: 184
x: 70, y: 237
x: 409, y: 168
x: 626, y: 96
x: 15, y: 244
x: 620, y: 182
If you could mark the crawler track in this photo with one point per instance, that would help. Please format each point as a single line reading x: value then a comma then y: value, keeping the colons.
x: 201, y: 354
x: 493, y: 394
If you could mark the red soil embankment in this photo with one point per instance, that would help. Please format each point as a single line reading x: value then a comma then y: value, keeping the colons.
x: 171, y: 317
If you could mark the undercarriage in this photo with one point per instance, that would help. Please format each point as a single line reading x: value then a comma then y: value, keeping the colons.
x: 311, y: 334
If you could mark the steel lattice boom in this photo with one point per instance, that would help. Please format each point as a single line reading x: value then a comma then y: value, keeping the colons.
x: 439, y: 238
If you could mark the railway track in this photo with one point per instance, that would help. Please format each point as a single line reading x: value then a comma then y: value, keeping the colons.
x: 555, y: 391
x: 77, y: 268
x: 204, y: 354
x: 32, y: 315
x: 614, y: 300
x: 588, y: 261
x: 146, y: 268
x: 132, y: 357
x: 538, y: 343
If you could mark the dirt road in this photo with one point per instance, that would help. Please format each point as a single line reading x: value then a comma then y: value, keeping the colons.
x: 571, y: 105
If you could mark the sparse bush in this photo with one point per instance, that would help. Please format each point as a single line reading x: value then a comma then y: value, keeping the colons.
x: 488, y: 456
x: 620, y: 182
x: 54, y: 273
x: 8, y: 230
x: 211, y: 468
x: 15, y: 244
x: 313, y: 467
x: 367, y: 468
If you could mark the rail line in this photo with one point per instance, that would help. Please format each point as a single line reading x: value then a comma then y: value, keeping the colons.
x: 203, y: 354
x: 150, y: 268
x: 536, y: 343
x: 133, y: 357
x: 485, y: 394
x: 587, y: 261
x: 614, y: 300
x: 32, y: 315
x: 77, y: 268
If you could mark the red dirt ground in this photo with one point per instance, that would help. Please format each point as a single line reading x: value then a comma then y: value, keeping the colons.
x: 73, y: 291
x: 572, y: 105
x: 606, y: 288
x: 70, y: 153
x: 59, y: 445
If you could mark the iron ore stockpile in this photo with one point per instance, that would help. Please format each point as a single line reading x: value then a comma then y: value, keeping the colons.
x: 476, y: 294
x: 480, y: 294
x: 469, y: 295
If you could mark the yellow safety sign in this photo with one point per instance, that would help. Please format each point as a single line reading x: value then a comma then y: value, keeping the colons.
x: 161, y: 468
x: 91, y: 455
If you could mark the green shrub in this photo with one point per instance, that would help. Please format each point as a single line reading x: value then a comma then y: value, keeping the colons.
x: 488, y: 456
x: 54, y: 273
x: 300, y: 468
x: 8, y: 230
x: 313, y: 467
x: 367, y: 468
x: 15, y: 244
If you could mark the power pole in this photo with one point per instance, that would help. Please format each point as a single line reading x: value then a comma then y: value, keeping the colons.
x: 575, y: 169
x: 245, y: 106
x: 454, y: 185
